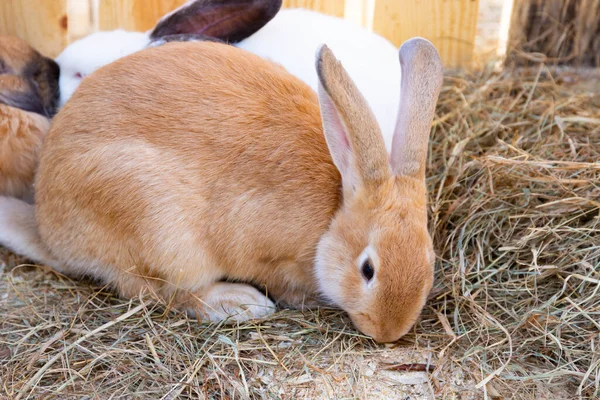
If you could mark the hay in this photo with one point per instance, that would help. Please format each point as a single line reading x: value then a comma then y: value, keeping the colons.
x: 514, y: 195
x: 515, y: 189
x: 556, y: 31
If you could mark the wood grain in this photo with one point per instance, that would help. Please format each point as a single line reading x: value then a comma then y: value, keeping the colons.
x: 360, y: 12
x: 134, y: 15
x: 451, y: 25
x: 330, y: 7
x: 49, y: 25
x: 42, y: 23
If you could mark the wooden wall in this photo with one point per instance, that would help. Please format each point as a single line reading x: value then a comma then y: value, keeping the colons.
x: 49, y: 25
x: 43, y: 23
x: 450, y: 25
x: 335, y: 7
x: 133, y: 15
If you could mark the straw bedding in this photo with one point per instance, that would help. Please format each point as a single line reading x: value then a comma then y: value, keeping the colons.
x: 514, y: 185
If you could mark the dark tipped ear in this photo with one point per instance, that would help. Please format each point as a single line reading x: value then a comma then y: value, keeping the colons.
x: 351, y: 130
x: 48, y: 85
x: 41, y: 75
x: 227, y: 20
x: 420, y: 84
x: 26, y: 101
x: 35, y: 89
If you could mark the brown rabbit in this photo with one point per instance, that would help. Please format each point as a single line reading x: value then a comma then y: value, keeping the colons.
x: 28, y: 98
x: 181, y: 177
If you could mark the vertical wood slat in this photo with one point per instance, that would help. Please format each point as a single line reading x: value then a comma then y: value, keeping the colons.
x: 51, y: 25
x: 81, y: 22
x: 330, y: 7
x: 42, y: 23
x: 141, y: 15
x: 360, y: 12
x: 134, y: 15
x: 451, y: 25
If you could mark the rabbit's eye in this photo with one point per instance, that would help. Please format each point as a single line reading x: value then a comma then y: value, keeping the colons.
x: 367, y: 270
x: 78, y: 75
x: 3, y: 67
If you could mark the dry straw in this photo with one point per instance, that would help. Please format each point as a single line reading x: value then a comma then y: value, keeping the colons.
x: 514, y: 183
x: 556, y: 31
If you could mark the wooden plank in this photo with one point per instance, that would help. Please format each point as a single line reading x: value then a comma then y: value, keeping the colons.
x: 141, y: 15
x: 330, y: 7
x: 42, y: 23
x: 134, y: 15
x: 504, y: 31
x: 81, y: 17
x: 451, y: 25
x: 360, y: 12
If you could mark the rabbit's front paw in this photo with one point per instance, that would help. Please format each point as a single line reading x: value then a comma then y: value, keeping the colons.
x: 234, y: 302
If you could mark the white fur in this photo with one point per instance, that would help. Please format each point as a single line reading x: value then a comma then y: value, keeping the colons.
x: 369, y: 253
x: 18, y: 230
x: 293, y: 36
x: 92, y: 52
x: 234, y: 302
x: 329, y: 274
x: 289, y: 39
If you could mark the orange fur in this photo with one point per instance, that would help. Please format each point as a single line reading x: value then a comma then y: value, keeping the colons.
x: 364, y: 135
x: 16, y: 55
x: 25, y: 70
x: 21, y: 136
x: 223, y: 153
x: 394, y: 221
x: 387, y: 213
x: 28, y: 80
x: 192, y: 163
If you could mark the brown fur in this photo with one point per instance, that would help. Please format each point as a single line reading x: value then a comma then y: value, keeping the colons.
x: 394, y: 220
x: 21, y: 136
x: 28, y: 80
x: 421, y: 76
x: 172, y: 176
x: 111, y: 182
x: 364, y: 133
x: 228, y: 21
x: 383, y: 211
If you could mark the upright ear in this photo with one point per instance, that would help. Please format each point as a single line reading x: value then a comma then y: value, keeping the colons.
x: 420, y: 86
x: 227, y: 20
x: 351, y: 130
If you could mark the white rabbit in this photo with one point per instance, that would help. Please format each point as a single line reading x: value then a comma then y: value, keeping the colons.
x: 86, y: 55
x: 289, y: 37
x: 226, y: 20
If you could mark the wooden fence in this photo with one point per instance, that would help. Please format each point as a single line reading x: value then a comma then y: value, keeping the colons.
x: 50, y: 25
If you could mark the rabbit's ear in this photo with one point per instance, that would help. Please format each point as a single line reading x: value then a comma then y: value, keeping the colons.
x: 228, y: 20
x: 351, y: 130
x: 33, y: 88
x: 421, y: 81
x: 47, y: 76
x: 24, y: 100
